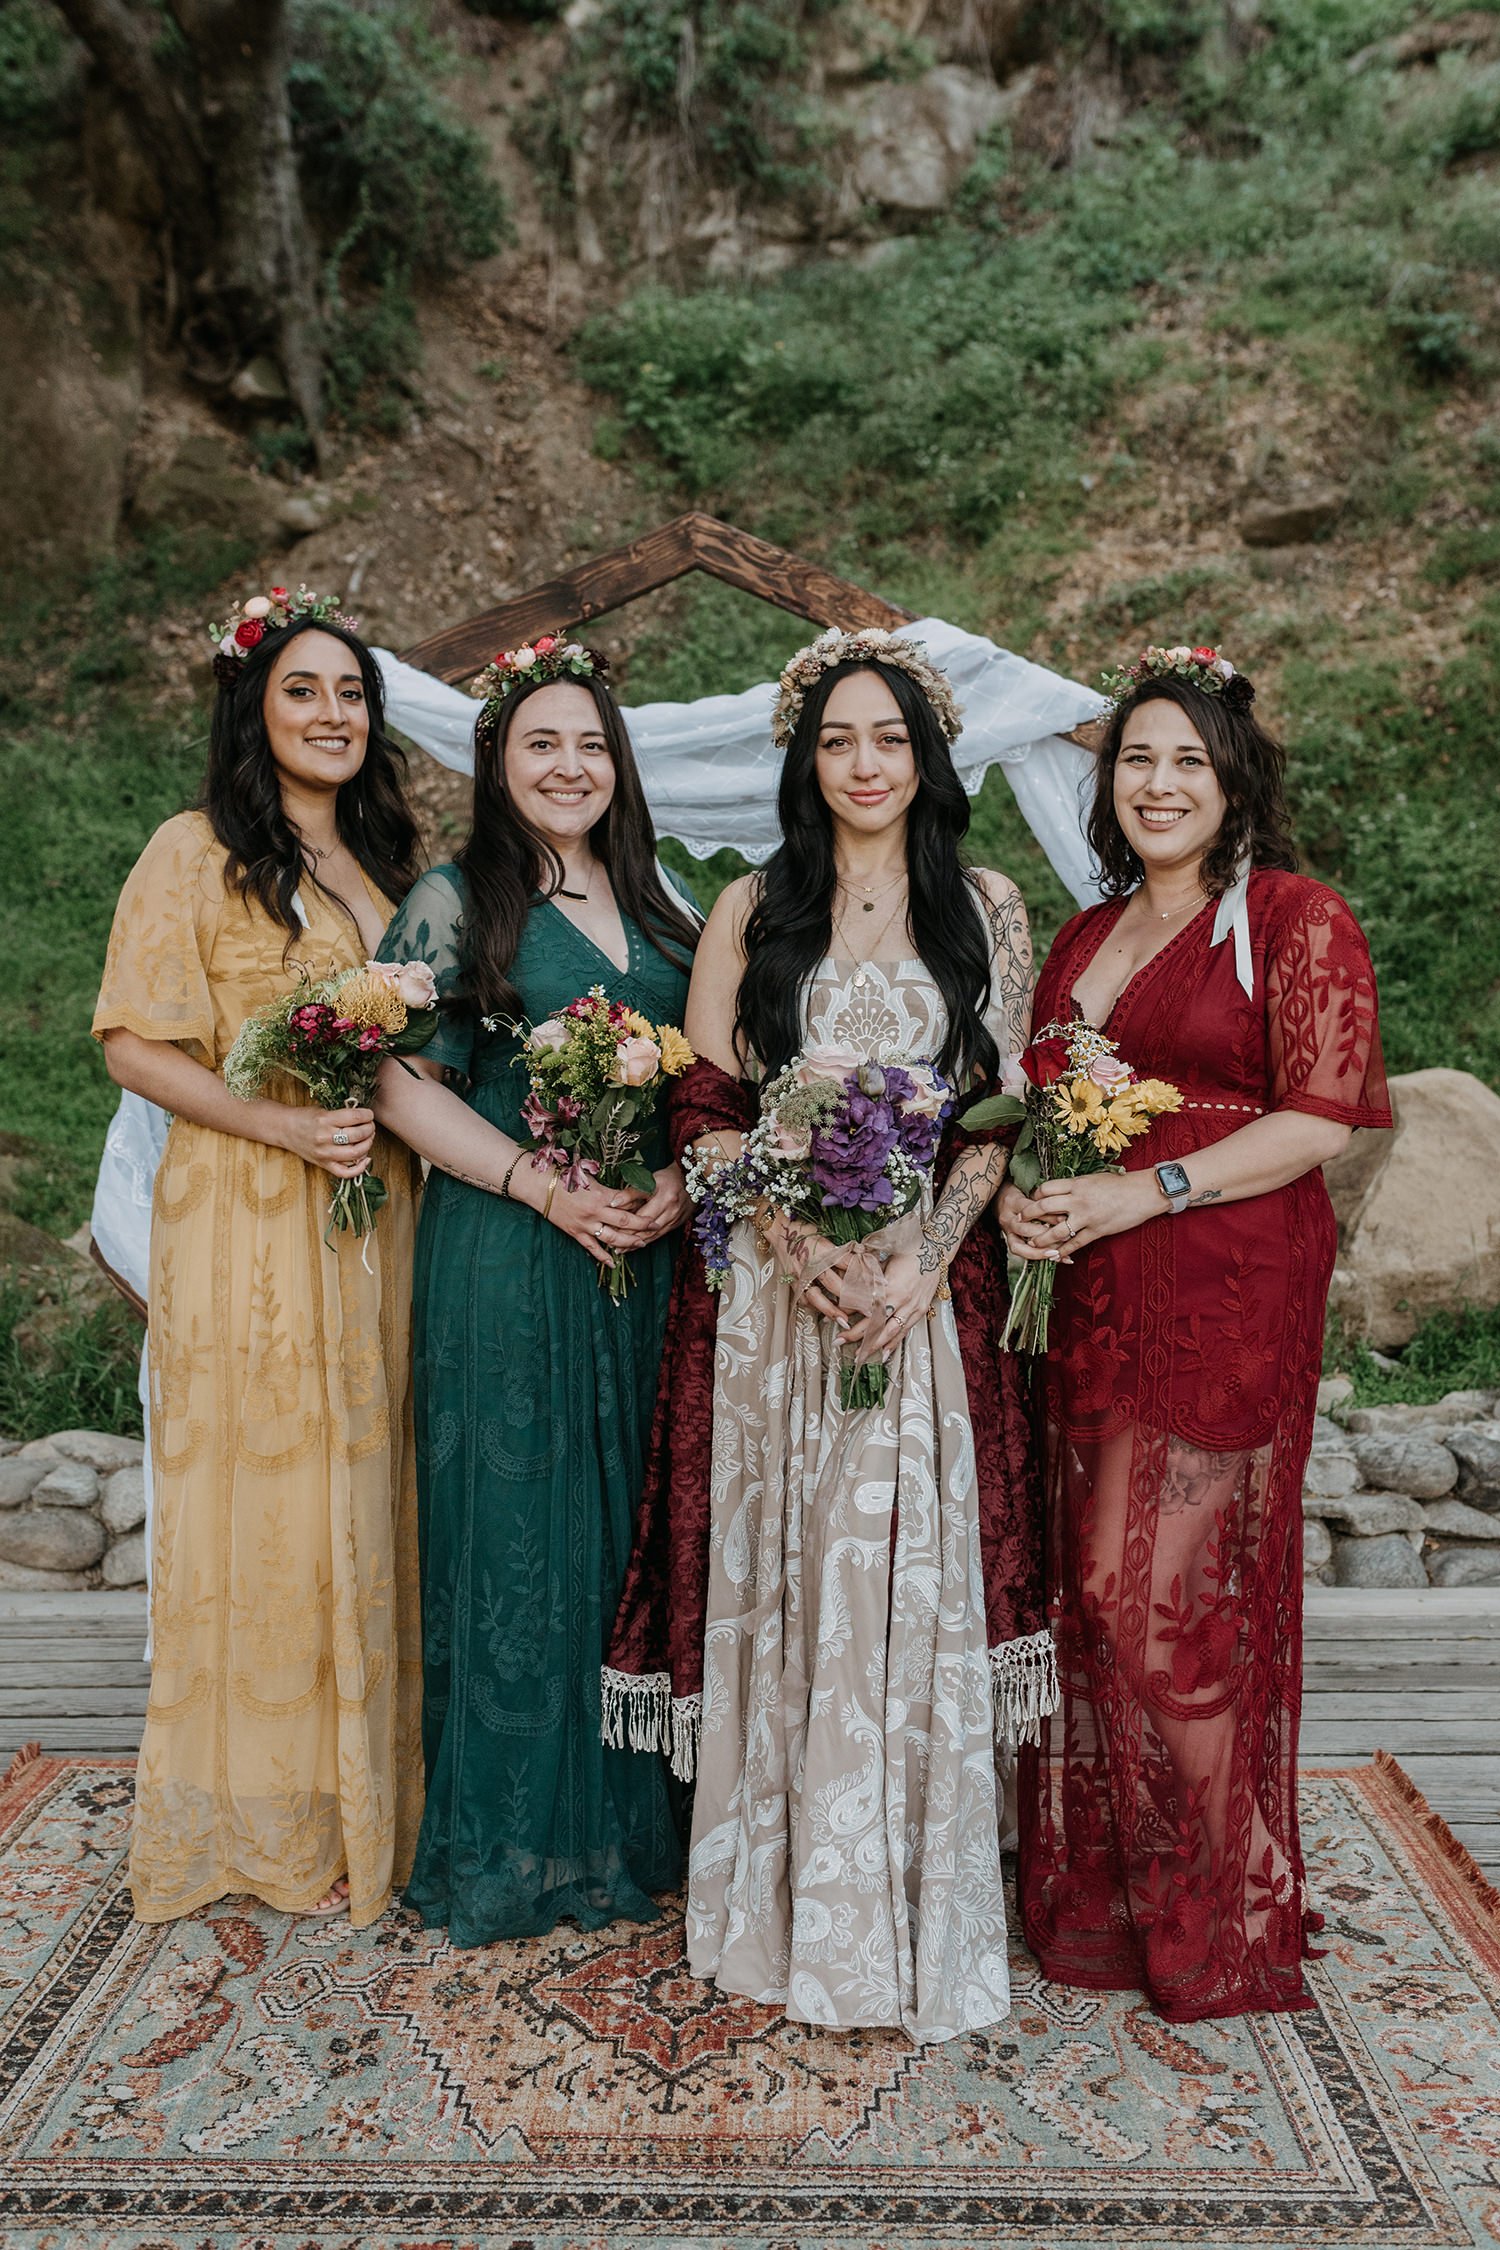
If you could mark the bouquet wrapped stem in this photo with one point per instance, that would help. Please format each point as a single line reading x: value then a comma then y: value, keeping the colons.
x: 1079, y: 1107
x: 333, y: 1036
x: 845, y: 1147
x: 597, y: 1072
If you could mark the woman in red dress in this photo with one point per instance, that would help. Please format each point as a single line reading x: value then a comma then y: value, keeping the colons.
x: 1159, y: 1840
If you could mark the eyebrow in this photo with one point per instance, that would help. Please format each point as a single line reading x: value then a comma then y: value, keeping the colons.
x: 839, y: 725
x: 346, y: 679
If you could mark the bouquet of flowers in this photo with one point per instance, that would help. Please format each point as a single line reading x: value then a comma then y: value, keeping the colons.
x: 597, y: 1073
x: 846, y: 1146
x: 1079, y: 1107
x: 334, y: 1035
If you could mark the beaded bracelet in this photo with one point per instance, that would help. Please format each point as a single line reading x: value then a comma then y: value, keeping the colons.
x: 505, y: 1183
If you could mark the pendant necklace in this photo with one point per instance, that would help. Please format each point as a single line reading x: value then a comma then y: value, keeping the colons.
x: 861, y: 976
x: 872, y: 891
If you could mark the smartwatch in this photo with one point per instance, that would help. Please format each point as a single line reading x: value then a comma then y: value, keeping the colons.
x: 1175, y: 1186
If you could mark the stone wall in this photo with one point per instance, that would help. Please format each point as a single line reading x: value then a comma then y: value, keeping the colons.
x: 72, y: 1512
x: 1403, y: 1495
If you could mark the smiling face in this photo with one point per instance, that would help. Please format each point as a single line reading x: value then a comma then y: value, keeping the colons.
x: 559, y: 773
x: 317, y: 719
x: 865, y: 764
x: 1167, y: 797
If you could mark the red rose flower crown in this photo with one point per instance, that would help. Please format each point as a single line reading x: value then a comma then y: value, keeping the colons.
x: 249, y: 621
x: 551, y: 656
x: 1204, y: 667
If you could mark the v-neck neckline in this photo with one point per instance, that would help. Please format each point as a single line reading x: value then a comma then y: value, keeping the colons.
x: 626, y: 932
x: 1107, y: 929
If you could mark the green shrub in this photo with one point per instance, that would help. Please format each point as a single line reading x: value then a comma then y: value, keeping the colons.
x: 1450, y: 1352
x: 82, y: 1374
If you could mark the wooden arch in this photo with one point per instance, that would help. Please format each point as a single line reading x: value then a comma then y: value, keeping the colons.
x: 604, y: 582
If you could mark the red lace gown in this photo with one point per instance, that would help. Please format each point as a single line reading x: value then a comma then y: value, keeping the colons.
x: 1159, y: 1843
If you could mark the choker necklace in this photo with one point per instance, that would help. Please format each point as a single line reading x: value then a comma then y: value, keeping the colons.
x: 581, y: 895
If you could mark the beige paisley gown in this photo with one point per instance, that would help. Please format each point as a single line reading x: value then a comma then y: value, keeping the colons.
x: 845, y: 1860
x: 281, y: 1746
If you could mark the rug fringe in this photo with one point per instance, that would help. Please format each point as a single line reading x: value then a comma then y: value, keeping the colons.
x: 27, y: 1755
x: 1024, y: 1687
x: 1458, y: 1855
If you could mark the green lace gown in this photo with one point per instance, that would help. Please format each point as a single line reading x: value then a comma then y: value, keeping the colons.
x: 533, y: 1397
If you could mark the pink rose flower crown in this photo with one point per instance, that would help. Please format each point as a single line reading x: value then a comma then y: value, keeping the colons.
x: 551, y: 656
x: 249, y: 621
x: 1204, y: 667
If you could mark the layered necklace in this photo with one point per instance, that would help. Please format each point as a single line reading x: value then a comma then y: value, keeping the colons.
x: 870, y: 893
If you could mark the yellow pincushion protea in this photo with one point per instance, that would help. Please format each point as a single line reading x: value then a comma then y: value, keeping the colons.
x: 676, y: 1054
x: 370, y: 999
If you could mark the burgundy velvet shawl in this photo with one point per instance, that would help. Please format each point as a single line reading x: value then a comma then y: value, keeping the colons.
x: 660, y: 1623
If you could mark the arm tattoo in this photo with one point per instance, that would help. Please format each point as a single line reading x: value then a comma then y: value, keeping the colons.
x: 971, y: 1183
x: 1209, y: 1195
x: 1010, y: 964
x: 485, y: 1187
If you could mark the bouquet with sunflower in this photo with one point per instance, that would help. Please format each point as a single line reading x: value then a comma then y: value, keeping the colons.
x: 333, y: 1035
x: 598, y: 1070
x: 1079, y: 1106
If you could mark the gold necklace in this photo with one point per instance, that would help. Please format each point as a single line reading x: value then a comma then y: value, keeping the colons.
x: 872, y: 891
x: 866, y: 959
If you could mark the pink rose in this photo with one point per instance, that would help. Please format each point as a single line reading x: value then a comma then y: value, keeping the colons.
x: 546, y: 643
x: 636, y: 1062
x: 926, y: 1100
x: 1013, y: 1079
x: 547, y: 1038
x: 258, y: 606
x: 793, y: 1142
x: 819, y: 1066
x: 1108, y: 1072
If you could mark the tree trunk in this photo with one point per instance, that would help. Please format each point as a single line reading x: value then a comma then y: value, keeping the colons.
x: 263, y: 283
x: 240, y: 265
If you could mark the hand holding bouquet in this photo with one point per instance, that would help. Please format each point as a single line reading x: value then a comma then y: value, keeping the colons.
x: 1079, y: 1107
x: 843, y: 1146
x: 597, y: 1073
x: 334, y: 1036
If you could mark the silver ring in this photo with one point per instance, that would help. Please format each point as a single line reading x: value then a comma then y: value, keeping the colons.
x: 1072, y: 1230
x: 341, y: 1138
x: 599, y: 1230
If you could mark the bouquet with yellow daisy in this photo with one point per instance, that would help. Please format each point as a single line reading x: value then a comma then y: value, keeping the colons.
x: 333, y: 1035
x: 1079, y: 1106
x: 598, y: 1069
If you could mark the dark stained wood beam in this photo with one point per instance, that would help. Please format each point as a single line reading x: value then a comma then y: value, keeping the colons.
x: 605, y: 582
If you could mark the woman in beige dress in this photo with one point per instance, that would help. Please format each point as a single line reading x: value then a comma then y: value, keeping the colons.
x: 845, y: 1859
x: 280, y: 1755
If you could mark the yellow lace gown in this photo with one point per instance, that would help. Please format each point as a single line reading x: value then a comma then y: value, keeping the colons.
x: 281, y: 1747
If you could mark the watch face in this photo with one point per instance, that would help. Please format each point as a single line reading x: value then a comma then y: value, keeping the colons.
x: 1173, y: 1179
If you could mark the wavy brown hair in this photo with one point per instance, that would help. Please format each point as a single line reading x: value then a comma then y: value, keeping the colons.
x: 506, y: 865
x: 1249, y: 765
x: 242, y: 796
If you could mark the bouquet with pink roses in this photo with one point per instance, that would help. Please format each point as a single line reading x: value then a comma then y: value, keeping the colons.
x: 598, y: 1070
x: 1079, y: 1106
x: 334, y: 1036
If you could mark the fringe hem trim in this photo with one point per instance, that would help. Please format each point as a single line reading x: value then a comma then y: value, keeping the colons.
x: 1024, y: 1687
x: 639, y: 1711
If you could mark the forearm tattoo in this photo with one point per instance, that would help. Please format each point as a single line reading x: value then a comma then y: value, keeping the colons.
x: 971, y: 1183
x: 1209, y: 1195
x: 1011, y: 965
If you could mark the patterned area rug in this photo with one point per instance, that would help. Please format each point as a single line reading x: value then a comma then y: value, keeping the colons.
x: 243, y: 2082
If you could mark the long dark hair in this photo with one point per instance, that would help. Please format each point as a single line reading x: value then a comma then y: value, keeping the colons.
x: 791, y: 923
x: 1249, y: 765
x: 242, y: 796
x: 505, y: 863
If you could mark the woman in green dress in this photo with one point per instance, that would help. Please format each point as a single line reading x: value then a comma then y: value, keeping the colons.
x: 533, y: 1388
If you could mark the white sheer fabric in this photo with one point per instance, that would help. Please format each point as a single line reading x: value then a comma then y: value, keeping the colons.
x: 710, y: 768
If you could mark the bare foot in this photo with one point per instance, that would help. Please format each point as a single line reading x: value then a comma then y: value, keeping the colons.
x: 334, y: 1899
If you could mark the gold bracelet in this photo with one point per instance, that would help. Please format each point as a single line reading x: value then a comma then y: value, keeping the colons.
x: 551, y: 1191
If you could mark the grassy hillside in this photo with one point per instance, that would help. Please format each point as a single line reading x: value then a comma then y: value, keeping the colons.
x: 1044, y: 419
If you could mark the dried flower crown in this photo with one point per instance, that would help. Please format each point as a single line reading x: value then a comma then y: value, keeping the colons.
x: 870, y: 645
x: 249, y: 621
x: 1204, y: 667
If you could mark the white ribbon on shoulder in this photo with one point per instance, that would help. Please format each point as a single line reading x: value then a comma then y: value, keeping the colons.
x: 1234, y: 915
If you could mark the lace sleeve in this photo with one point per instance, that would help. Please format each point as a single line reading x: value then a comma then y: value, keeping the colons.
x: 1321, y: 1006
x: 155, y: 980
x: 428, y: 927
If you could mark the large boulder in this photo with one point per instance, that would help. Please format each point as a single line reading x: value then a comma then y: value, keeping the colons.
x: 1391, y: 1561
x: 914, y: 139
x: 1410, y: 1461
x: 51, y: 1539
x: 1421, y: 1233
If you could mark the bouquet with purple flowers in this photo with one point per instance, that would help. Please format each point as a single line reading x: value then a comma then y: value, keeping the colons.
x: 843, y: 1145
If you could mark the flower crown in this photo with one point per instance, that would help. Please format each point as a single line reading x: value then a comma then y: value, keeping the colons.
x: 1204, y: 667
x: 870, y: 645
x: 249, y: 621
x: 549, y: 657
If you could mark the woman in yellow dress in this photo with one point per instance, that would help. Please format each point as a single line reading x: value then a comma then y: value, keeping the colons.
x: 281, y: 1754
